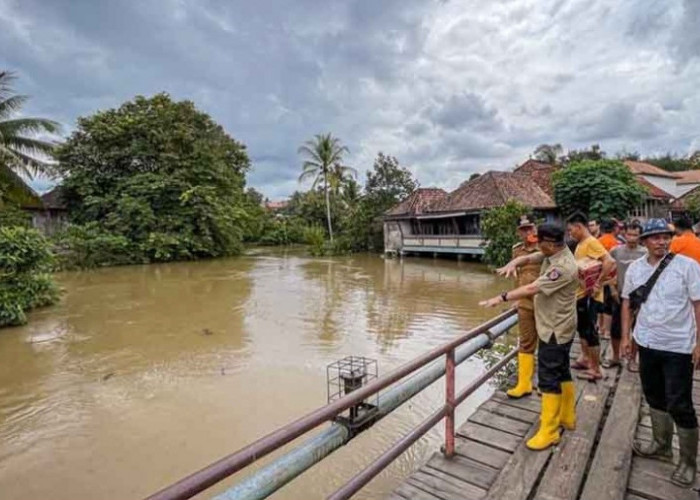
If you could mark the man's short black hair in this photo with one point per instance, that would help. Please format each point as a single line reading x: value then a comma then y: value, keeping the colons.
x: 577, y: 218
x: 550, y: 232
x: 607, y: 226
x: 683, y: 223
x: 634, y: 226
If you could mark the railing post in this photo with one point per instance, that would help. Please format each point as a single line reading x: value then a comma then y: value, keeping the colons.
x: 450, y: 403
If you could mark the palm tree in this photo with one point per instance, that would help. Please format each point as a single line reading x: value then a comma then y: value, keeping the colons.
x: 324, y: 160
x: 19, y: 151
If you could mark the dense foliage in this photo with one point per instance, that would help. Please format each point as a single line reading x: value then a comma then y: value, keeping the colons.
x: 497, y: 229
x: 25, y: 283
x: 675, y: 163
x: 599, y: 188
x: 156, y: 180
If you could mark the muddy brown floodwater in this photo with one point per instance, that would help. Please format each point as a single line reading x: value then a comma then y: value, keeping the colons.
x: 144, y: 374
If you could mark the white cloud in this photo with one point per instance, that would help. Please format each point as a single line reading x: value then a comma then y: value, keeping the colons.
x: 448, y: 87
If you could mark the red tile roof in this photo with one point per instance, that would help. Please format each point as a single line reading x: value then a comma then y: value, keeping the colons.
x: 276, y: 205
x: 689, y: 177
x: 641, y: 168
x: 418, y: 202
x: 539, y: 172
x: 494, y: 189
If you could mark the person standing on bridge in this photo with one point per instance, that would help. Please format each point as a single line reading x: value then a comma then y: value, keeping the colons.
x: 527, y: 273
x: 665, y: 290
x: 555, y: 319
x: 624, y: 255
x: 588, y: 304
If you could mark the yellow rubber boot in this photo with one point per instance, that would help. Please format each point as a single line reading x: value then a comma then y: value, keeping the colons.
x: 526, y: 368
x: 567, y: 416
x: 548, y: 433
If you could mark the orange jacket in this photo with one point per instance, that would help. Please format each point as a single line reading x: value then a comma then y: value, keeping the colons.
x: 686, y: 244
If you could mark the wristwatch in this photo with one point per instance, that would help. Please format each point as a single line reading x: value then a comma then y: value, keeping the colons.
x: 504, y: 296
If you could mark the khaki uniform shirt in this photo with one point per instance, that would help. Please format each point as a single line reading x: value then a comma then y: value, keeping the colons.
x: 555, y: 304
x: 526, y: 274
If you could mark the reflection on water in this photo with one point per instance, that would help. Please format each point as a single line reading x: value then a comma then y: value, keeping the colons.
x: 144, y: 374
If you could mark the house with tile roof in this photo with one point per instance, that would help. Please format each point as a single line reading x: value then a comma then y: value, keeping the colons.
x: 434, y: 221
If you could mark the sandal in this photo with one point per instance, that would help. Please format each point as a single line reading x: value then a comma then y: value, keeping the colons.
x: 632, y: 366
x: 590, y: 376
x: 578, y: 365
x: 611, y: 363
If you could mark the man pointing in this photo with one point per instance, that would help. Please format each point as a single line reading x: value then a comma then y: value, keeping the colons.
x: 555, y: 319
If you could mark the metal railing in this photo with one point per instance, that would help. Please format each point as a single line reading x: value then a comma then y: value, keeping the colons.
x: 275, y: 475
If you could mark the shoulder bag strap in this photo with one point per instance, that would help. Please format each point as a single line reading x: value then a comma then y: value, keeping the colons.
x: 652, y: 279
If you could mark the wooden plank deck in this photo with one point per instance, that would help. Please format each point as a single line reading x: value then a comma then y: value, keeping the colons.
x: 594, y: 462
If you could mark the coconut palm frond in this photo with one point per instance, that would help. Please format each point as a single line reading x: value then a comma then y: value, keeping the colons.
x: 28, y: 126
x: 11, y: 105
x: 20, y: 150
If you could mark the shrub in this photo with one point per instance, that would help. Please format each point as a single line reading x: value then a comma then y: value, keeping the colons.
x: 12, y: 216
x: 315, y: 237
x: 498, y: 227
x: 25, y: 261
x: 88, y: 245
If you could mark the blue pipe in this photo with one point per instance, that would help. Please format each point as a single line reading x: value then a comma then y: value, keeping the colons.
x: 276, y: 474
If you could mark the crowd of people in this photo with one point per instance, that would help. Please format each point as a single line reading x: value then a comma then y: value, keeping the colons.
x: 636, y: 284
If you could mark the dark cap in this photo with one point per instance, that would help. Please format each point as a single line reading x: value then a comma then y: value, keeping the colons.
x: 550, y: 232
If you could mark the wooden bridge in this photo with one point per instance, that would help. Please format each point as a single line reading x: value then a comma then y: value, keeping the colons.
x: 594, y: 462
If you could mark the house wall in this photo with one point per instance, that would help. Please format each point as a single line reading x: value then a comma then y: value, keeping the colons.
x: 392, y: 236
x: 49, y: 221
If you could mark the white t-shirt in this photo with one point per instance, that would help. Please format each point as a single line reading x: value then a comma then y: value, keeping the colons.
x: 666, y: 321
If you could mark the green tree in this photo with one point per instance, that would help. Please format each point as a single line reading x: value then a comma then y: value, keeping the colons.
x: 598, y: 188
x: 159, y: 173
x: 692, y: 205
x: 671, y: 162
x: 387, y: 184
x: 498, y: 228
x: 324, y: 158
x: 548, y: 153
x: 20, y: 150
x: 592, y: 153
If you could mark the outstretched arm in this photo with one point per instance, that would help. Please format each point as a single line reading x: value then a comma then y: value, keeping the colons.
x: 511, y: 269
x: 519, y: 293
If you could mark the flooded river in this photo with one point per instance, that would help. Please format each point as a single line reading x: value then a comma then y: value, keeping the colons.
x: 144, y: 374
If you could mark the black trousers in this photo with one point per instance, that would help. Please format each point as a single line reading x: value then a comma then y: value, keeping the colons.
x: 667, y: 382
x: 587, y: 318
x: 616, y: 325
x: 553, y: 365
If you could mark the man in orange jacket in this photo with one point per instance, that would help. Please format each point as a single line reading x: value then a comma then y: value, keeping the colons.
x: 685, y: 242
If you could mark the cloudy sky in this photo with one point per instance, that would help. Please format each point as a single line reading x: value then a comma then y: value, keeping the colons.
x: 449, y: 87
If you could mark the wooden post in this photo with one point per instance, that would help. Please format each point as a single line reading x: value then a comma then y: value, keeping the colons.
x: 450, y: 403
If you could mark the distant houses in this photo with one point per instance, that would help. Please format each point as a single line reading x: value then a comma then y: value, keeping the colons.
x: 432, y: 220
x: 50, y: 214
